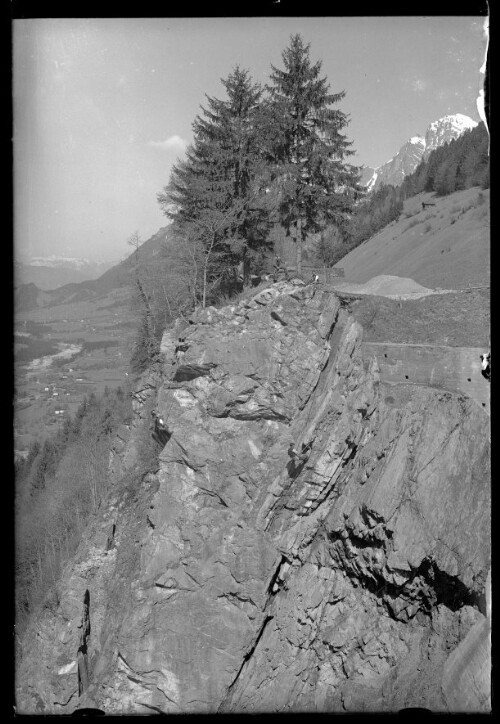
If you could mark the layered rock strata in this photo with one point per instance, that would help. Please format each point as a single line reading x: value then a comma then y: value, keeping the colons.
x: 236, y: 576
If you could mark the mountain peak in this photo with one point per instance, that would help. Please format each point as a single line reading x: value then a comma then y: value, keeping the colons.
x: 417, y: 148
x: 446, y: 129
x: 457, y: 119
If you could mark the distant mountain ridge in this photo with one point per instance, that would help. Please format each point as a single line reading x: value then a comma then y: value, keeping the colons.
x: 30, y: 295
x: 416, y: 149
x: 54, y: 260
x: 50, y: 272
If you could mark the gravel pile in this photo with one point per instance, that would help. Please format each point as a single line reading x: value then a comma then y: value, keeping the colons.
x: 386, y: 285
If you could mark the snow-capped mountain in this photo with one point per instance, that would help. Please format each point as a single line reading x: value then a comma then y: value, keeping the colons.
x: 444, y: 130
x: 415, y: 150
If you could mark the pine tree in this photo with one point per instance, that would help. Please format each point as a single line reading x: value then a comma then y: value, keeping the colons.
x: 317, y: 186
x: 213, y: 196
x: 44, y: 466
x: 426, y: 173
x: 445, y: 178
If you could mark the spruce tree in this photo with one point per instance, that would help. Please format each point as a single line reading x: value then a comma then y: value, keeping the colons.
x: 213, y: 196
x: 318, y: 187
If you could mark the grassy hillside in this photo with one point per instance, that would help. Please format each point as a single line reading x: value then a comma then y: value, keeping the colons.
x: 445, y: 246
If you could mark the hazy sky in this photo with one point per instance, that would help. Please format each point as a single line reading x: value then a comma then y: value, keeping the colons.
x: 103, y: 107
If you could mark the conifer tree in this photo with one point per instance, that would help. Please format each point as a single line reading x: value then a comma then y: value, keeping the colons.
x: 213, y: 196
x: 318, y: 187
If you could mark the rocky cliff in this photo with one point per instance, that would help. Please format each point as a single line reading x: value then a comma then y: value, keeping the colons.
x: 402, y: 164
x: 416, y: 149
x: 238, y: 575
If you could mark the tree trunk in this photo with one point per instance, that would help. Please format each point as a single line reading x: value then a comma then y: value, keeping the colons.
x: 148, y: 311
x: 167, y: 301
x: 246, y: 271
x: 298, y: 241
x: 204, y: 287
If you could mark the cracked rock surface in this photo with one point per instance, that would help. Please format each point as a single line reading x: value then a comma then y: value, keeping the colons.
x: 240, y: 578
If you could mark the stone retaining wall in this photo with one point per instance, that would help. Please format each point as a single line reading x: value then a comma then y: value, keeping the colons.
x: 457, y: 369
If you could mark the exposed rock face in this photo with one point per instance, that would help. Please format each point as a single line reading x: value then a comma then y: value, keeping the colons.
x: 457, y: 369
x: 402, y: 164
x: 416, y: 149
x: 239, y: 577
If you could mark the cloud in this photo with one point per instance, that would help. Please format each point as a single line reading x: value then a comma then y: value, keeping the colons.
x: 173, y: 143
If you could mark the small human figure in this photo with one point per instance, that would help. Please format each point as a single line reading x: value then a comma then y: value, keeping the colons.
x: 314, y: 279
x: 486, y: 365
